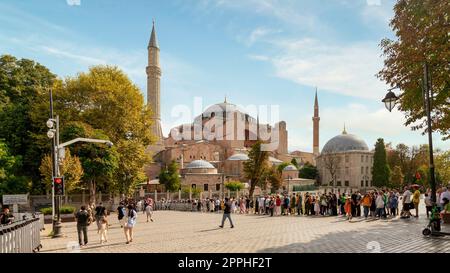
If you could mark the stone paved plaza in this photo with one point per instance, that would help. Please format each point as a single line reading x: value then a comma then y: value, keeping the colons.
x: 179, y: 232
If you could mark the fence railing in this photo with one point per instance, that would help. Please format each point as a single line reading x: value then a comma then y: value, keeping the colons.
x: 22, y: 236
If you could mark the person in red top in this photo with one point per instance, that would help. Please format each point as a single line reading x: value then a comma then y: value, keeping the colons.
x: 278, y: 205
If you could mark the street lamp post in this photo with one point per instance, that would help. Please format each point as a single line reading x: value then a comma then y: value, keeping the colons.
x: 390, y: 101
x: 57, y: 156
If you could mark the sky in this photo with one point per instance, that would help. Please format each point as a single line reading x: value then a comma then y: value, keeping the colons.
x: 254, y: 52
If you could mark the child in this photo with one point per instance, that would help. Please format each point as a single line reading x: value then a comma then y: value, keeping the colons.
x: 317, y: 207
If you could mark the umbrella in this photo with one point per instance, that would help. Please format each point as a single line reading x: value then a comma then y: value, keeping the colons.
x: 415, y: 186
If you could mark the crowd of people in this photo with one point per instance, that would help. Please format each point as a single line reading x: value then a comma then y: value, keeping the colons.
x: 375, y: 204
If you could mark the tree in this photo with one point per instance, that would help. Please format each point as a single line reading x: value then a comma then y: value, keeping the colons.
x: 274, y: 177
x: 422, y: 28
x: 234, y: 185
x: 397, y: 178
x: 70, y: 168
x: 380, y: 172
x: 195, y: 192
x: 256, y: 166
x: 10, y: 169
x: 295, y: 163
x: 23, y: 84
x: 309, y: 171
x: 100, y: 163
x: 130, y: 170
x: 106, y: 99
x: 170, y: 177
x: 331, y: 163
x: 442, y: 162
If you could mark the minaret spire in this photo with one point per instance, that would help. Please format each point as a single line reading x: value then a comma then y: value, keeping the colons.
x: 344, y: 132
x: 316, y: 120
x: 153, y: 41
x: 154, y: 87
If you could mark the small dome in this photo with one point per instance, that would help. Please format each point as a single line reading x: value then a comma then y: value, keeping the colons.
x: 344, y: 143
x: 290, y: 168
x: 200, y: 164
x: 238, y: 157
x: 274, y: 161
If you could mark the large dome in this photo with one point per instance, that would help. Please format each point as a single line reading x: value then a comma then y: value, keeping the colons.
x: 344, y: 143
x: 200, y: 164
x: 238, y: 157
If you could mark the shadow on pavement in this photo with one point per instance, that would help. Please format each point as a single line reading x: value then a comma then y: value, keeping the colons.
x: 398, y: 238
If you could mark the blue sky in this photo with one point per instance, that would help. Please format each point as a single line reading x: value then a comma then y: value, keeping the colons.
x: 256, y: 52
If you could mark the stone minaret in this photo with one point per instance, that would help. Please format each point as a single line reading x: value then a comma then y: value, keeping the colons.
x: 154, y: 86
x: 316, y: 120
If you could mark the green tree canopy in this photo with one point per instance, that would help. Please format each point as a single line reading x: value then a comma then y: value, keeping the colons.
x: 234, y: 185
x: 23, y: 84
x: 381, y: 171
x: 10, y: 168
x: 397, y: 178
x: 422, y: 28
x: 308, y: 171
x: 170, y: 177
x: 256, y: 166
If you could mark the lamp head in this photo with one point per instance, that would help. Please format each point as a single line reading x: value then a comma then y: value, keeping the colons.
x: 49, y: 124
x: 390, y: 100
x: 50, y: 134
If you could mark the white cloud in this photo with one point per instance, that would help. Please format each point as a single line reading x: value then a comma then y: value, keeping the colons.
x: 343, y: 69
x: 257, y: 34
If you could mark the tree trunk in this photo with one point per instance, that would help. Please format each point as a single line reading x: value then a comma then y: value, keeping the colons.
x: 252, y: 188
x: 92, y: 191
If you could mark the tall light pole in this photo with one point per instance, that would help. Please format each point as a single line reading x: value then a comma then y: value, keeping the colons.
x: 391, y: 99
x: 58, y: 155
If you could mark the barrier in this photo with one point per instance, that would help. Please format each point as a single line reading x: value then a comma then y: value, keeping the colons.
x: 22, y: 236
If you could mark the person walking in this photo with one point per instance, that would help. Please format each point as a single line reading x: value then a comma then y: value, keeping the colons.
x: 149, y: 210
x: 100, y: 214
x: 226, y: 213
x: 131, y: 222
x: 82, y: 217
x: 416, y: 200
x: 121, y: 214
x: 103, y: 230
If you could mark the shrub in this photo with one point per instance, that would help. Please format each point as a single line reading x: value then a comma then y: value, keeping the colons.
x: 62, y: 210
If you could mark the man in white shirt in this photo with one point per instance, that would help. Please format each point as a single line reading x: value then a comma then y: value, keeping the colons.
x: 406, y: 203
x: 445, y: 194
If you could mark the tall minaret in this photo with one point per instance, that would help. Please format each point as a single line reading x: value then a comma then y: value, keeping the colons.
x: 154, y: 86
x: 316, y: 120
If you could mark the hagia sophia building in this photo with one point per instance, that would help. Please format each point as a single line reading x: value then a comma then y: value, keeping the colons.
x: 209, y: 162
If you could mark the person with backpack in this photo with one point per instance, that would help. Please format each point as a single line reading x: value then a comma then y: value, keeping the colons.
x: 226, y: 213
x: 121, y: 214
x: 83, y: 222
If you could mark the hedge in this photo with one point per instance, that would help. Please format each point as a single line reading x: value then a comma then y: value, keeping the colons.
x: 62, y: 210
